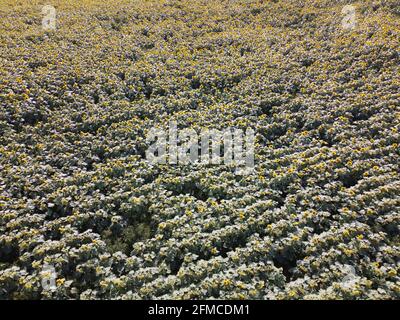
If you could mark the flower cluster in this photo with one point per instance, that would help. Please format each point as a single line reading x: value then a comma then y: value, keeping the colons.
x: 317, y: 218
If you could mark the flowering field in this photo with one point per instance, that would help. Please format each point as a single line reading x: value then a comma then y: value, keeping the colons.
x: 84, y: 215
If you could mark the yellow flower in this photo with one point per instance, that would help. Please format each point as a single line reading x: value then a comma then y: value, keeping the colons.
x: 370, y: 212
x: 348, y: 252
x: 227, y: 282
x: 292, y: 293
x: 214, y: 251
x: 356, y: 292
x: 28, y: 285
x: 188, y: 213
x: 346, y: 233
x: 295, y: 238
x: 392, y: 273
x: 60, y: 282
x: 241, y: 285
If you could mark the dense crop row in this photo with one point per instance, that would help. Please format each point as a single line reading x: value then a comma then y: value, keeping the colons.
x: 77, y: 193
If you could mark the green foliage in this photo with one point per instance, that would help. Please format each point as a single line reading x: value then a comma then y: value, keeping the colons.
x: 76, y: 192
x: 129, y: 236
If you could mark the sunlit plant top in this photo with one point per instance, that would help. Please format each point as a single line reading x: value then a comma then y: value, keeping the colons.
x: 84, y: 214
